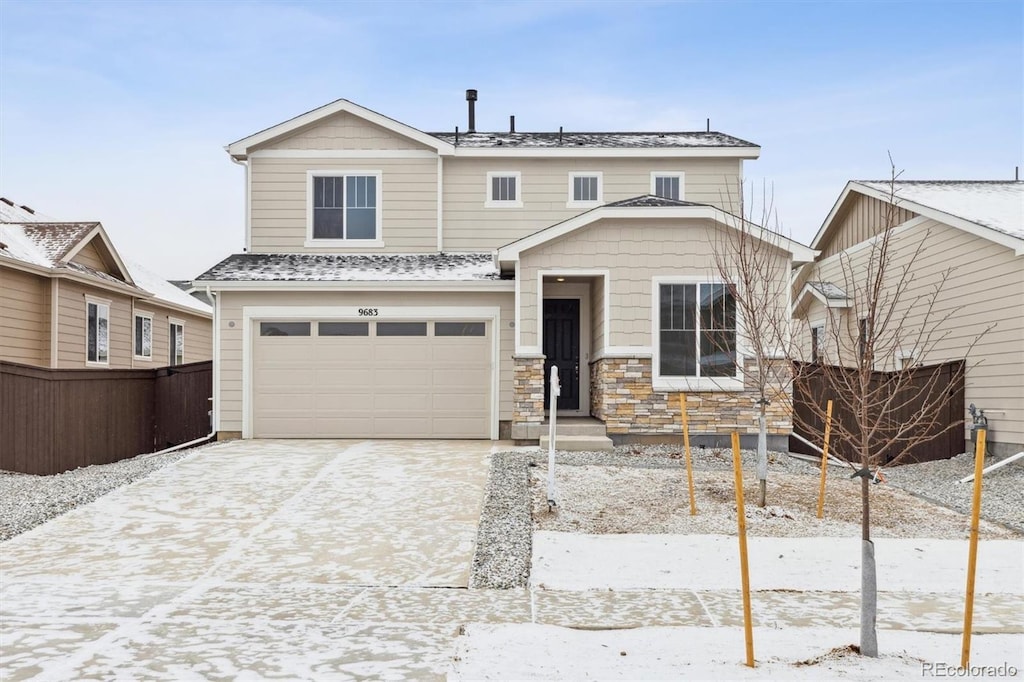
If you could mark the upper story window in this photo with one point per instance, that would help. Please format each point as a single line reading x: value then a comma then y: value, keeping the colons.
x: 667, y: 184
x: 585, y: 189
x: 817, y: 342
x: 504, y: 189
x: 176, y: 342
x: 97, y: 332
x: 344, y: 207
x: 143, y: 336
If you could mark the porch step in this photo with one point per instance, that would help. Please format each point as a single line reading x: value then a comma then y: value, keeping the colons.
x: 576, y: 426
x: 578, y: 442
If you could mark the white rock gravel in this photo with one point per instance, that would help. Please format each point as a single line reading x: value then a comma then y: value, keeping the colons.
x: 27, y: 501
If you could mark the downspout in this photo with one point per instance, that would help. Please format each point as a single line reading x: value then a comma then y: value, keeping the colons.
x: 440, y: 204
x: 215, y: 406
x: 248, y: 208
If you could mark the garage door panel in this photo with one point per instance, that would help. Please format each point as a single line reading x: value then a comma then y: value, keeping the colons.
x: 366, y: 387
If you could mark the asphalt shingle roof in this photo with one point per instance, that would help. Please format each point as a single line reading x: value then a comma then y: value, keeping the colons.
x: 595, y: 140
x: 291, y: 267
x: 649, y: 200
x: 828, y: 290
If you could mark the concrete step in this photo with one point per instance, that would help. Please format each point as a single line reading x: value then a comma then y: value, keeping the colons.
x: 578, y: 427
x: 579, y: 443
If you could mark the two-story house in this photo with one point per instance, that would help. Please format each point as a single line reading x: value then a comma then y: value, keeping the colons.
x: 398, y: 283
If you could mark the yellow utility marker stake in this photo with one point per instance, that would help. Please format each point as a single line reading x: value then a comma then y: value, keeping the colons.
x: 737, y: 466
x: 686, y: 449
x: 824, y: 459
x: 972, y: 557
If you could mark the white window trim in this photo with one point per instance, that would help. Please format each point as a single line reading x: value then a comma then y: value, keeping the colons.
x: 135, y: 351
x: 170, y: 348
x: 103, y: 303
x: 347, y: 243
x: 814, y: 327
x: 670, y: 174
x: 572, y: 203
x: 491, y: 203
x: 675, y: 384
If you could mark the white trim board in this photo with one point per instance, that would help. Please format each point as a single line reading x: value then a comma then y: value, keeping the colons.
x: 491, y: 314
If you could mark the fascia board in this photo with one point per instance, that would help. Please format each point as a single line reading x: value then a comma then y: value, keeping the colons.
x: 240, y: 148
x: 231, y: 285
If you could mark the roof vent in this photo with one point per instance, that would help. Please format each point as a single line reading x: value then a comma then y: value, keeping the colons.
x: 471, y: 99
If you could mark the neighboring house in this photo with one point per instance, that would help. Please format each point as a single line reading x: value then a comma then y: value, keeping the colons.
x: 975, y: 228
x: 398, y: 283
x: 69, y: 300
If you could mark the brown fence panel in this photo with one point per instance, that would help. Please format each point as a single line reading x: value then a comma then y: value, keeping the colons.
x: 183, y: 403
x: 810, y: 388
x: 56, y: 420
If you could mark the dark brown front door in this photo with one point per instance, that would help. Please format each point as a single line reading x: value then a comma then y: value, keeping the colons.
x: 562, y: 348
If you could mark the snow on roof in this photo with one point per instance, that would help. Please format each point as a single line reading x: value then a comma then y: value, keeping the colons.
x: 644, y: 140
x: 995, y: 204
x: 163, y: 289
x: 828, y: 290
x: 649, y: 200
x: 289, y: 267
x: 16, y: 244
x: 11, y: 212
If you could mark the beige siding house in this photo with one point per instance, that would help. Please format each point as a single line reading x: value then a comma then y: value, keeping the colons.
x: 398, y: 283
x: 68, y: 300
x: 972, y: 234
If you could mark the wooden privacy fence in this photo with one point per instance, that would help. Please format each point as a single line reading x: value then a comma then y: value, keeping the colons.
x: 54, y: 420
x: 810, y: 388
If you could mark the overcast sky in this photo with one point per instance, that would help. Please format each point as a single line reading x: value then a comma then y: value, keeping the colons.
x: 119, y: 111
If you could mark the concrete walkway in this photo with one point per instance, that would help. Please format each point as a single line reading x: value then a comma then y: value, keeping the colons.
x: 326, y: 560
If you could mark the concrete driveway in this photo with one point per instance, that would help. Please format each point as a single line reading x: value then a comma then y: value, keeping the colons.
x: 254, y: 559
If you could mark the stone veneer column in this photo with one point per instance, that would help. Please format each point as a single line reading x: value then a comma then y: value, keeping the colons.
x: 528, y: 390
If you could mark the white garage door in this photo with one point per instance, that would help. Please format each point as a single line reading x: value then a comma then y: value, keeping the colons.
x: 380, y: 379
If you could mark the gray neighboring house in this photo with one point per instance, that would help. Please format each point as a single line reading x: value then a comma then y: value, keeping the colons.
x: 400, y: 284
x: 976, y: 227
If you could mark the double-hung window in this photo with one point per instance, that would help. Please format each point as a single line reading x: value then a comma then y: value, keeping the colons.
x: 97, y: 332
x: 344, y: 206
x: 667, y: 184
x: 585, y: 189
x: 817, y: 342
x: 504, y: 189
x: 143, y: 336
x: 696, y: 334
x: 176, y: 343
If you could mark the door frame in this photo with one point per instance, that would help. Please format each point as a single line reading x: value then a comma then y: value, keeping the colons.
x: 581, y: 292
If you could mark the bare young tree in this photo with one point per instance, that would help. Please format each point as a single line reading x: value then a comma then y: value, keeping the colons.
x: 751, y: 261
x: 870, y: 366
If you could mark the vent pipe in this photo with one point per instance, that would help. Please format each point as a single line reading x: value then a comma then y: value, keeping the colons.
x: 709, y: 125
x: 512, y: 124
x: 559, y: 134
x: 471, y: 99
x: 1016, y: 173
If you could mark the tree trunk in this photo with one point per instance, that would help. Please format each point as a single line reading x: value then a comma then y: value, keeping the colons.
x: 868, y: 580
x: 762, y: 457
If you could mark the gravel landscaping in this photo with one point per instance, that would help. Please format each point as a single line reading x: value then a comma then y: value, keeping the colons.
x: 27, y: 501
x: 642, y: 489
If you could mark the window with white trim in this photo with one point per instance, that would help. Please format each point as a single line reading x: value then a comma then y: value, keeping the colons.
x: 504, y: 189
x: 143, y: 336
x: 669, y: 185
x: 585, y: 189
x: 97, y: 335
x: 344, y: 206
x: 176, y: 343
x: 697, y: 331
x: 817, y: 342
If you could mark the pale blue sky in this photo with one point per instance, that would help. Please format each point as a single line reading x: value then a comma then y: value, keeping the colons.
x: 119, y: 111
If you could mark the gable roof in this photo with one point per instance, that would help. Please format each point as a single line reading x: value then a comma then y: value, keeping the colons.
x: 832, y: 295
x: 52, y: 246
x: 240, y: 148
x: 992, y: 209
x: 649, y: 206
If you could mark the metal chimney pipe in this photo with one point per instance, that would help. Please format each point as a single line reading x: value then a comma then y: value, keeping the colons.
x: 471, y: 98
x: 512, y: 124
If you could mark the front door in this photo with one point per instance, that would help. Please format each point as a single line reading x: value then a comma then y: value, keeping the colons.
x: 562, y: 348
